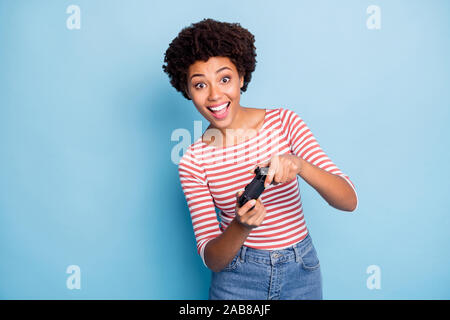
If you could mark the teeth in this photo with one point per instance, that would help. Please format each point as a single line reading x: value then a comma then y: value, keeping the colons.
x: 219, y: 107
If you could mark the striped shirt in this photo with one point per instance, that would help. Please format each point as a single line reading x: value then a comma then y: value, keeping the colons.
x: 210, y: 178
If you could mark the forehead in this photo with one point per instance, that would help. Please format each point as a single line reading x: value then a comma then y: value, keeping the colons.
x: 211, y: 66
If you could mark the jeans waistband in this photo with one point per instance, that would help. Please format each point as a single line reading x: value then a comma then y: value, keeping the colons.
x: 271, y: 257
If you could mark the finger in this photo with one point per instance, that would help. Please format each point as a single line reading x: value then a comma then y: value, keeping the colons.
x: 250, y: 204
x: 257, y: 216
x: 261, y: 165
x: 279, y: 175
x: 246, y: 207
x: 238, y: 196
x: 260, y: 218
x: 255, y: 208
x: 251, y: 215
x: 274, y: 162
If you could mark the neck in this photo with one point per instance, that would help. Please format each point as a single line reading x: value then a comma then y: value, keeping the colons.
x: 242, y: 128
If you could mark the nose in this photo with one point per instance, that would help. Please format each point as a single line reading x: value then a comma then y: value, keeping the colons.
x: 214, y: 92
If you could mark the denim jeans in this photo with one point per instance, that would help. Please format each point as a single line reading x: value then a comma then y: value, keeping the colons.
x: 288, y: 274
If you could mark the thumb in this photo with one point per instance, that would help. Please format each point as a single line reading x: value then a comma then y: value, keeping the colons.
x: 261, y: 165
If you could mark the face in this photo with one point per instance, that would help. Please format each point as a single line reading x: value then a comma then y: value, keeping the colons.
x: 214, y: 88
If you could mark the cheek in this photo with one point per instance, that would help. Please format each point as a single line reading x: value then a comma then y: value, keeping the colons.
x: 198, y: 99
x: 234, y: 92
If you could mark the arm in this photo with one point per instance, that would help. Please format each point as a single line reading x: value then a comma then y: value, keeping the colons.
x: 216, y: 248
x: 316, y: 168
x: 333, y: 188
x: 222, y: 249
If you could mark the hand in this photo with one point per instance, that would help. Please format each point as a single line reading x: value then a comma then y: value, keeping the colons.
x: 248, y: 217
x: 282, y: 168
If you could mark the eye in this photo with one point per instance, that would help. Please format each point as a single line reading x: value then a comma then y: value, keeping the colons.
x: 199, y: 85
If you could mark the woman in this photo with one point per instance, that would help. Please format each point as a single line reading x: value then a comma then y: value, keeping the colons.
x: 261, y: 250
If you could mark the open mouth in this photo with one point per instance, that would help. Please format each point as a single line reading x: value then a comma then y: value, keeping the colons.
x: 220, y: 112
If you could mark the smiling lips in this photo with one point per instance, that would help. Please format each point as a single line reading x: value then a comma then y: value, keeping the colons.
x: 219, y: 111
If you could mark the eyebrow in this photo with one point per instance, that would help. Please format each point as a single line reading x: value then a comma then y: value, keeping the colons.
x: 201, y: 75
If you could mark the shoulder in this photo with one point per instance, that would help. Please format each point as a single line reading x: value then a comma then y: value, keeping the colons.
x: 192, y: 156
x: 287, y: 116
x: 190, y: 167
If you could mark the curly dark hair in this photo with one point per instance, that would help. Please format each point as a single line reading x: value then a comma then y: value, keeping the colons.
x: 205, y: 39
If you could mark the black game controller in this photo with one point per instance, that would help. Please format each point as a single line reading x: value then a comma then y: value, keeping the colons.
x: 254, y: 189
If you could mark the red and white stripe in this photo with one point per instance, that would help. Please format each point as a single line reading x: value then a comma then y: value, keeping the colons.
x: 210, y: 177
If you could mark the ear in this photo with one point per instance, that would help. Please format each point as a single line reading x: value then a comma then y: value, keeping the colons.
x: 241, y: 78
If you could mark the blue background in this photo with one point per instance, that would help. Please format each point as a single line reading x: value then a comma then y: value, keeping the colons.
x: 86, y: 118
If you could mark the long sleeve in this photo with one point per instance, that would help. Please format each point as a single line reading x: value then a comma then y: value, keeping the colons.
x: 303, y: 144
x: 199, y: 200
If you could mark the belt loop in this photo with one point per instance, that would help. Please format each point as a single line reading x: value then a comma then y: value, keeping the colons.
x: 243, y: 250
x: 297, y: 254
